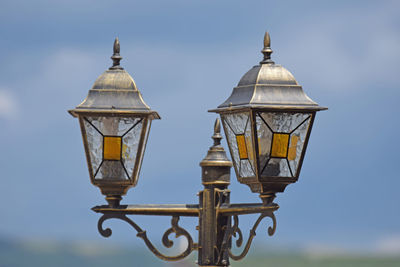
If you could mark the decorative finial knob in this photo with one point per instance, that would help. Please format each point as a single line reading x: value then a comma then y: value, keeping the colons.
x: 217, y: 133
x: 267, y: 51
x: 116, y: 57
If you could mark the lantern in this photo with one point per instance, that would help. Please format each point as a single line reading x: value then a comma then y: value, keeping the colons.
x: 267, y: 122
x: 115, y: 123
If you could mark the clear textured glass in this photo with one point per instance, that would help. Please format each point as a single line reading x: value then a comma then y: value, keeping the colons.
x: 283, y: 122
x: 268, y: 124
x: 129, y: 129
x: 95, y: 143
x: 141, y: 153
x: 238, y: 125
x: 276, y: 167
x: 231, y: 138
x: 296, y: 146
x: 246, y: 169
x: 111, y: 170
x: 130, y: 144
x: 264, y: 136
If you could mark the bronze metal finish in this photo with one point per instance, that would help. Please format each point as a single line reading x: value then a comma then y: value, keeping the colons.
x: 214, y: 213
x: 115, y: 95
x: 267, y: 87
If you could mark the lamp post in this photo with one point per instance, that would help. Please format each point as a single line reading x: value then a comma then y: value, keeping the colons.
x: 267, y: 122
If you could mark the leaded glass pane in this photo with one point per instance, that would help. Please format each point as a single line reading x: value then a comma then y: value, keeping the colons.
x: 237, y: 122
x: 264, y: 135
x: 113, y: 145
x: 296, y: 146
x: 95, y: 145
x: 141, y: 153
x: 239, y: 137
x: 130, y: 147
x: 111, y: 170
x: 246, y: 169
x: 285, y: 134
x: 283, y: 122
x: 231, y: 138
x: 277, y: 167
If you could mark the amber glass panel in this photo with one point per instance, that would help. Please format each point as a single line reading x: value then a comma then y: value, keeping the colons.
x: 242, y: 146
x: 112, y: 148
x: 280, y: 145
x: 293, y: 147
x: 238, y: 134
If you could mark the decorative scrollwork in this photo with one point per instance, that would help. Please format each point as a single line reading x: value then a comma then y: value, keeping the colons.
x: 234, y: 231
x: 175, y: 228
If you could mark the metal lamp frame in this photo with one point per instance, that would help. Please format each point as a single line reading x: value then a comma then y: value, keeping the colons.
x: 115, y: 95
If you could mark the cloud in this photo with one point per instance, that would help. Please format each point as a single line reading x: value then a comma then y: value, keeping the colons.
x: 347, y: 50
x: 9, y: 106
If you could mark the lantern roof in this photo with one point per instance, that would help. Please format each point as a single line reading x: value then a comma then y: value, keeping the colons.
x: 115, y: 92
x: 268, y: 85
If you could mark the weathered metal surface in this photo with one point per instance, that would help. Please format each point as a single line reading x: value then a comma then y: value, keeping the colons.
x: 114, y: 93
x: 216, y: 167
x: 268, y: 86
x: 152, y: 209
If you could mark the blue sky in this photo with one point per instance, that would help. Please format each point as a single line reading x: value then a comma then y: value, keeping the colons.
x: 185, y: 57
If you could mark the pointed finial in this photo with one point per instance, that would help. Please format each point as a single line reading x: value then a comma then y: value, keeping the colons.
x: 267, y: 51
x: 116, y: 57
x: 217, y: 133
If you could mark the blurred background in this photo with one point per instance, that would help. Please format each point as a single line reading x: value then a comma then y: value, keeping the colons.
x: 185, y: 57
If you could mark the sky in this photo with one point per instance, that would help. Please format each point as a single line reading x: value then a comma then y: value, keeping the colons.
x: 185, y: 57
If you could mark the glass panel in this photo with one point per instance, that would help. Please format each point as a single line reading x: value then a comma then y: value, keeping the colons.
x: 279, y: 145
x: 116, y: 160
x: 293, y: 147
x: 130, y: 147
x: 146, y: 135
x: 242, y: 146
x: 249, y: 146
x: 246, y: 169
x: 112, y: 148
x: 264, y: 136
x: 238, y: 135
x: 231, y: 139
x: 283, y: 122
x: 281, y: 138
x: 277, y: 167
x: 296, y: 145
x: 111, y: 170
x: 237, y: 122
x: 95, y: 145
x: 113, y: 126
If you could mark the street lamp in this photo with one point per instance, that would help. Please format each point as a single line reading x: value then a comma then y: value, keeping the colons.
x: 267, y: 122
x: 115, y: 123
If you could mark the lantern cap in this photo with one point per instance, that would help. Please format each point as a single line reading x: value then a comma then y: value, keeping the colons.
x: 268, y: 86
x: 115, y: 92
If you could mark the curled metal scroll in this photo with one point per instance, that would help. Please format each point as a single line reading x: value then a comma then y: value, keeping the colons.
x: 235, y: 231
x: 175, y: 228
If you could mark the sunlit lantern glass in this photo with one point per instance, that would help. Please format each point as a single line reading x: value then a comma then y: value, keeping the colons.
x: 238, y: 130
x: 281, y: 139
x: 113, y: 144
x: 112, y: 148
